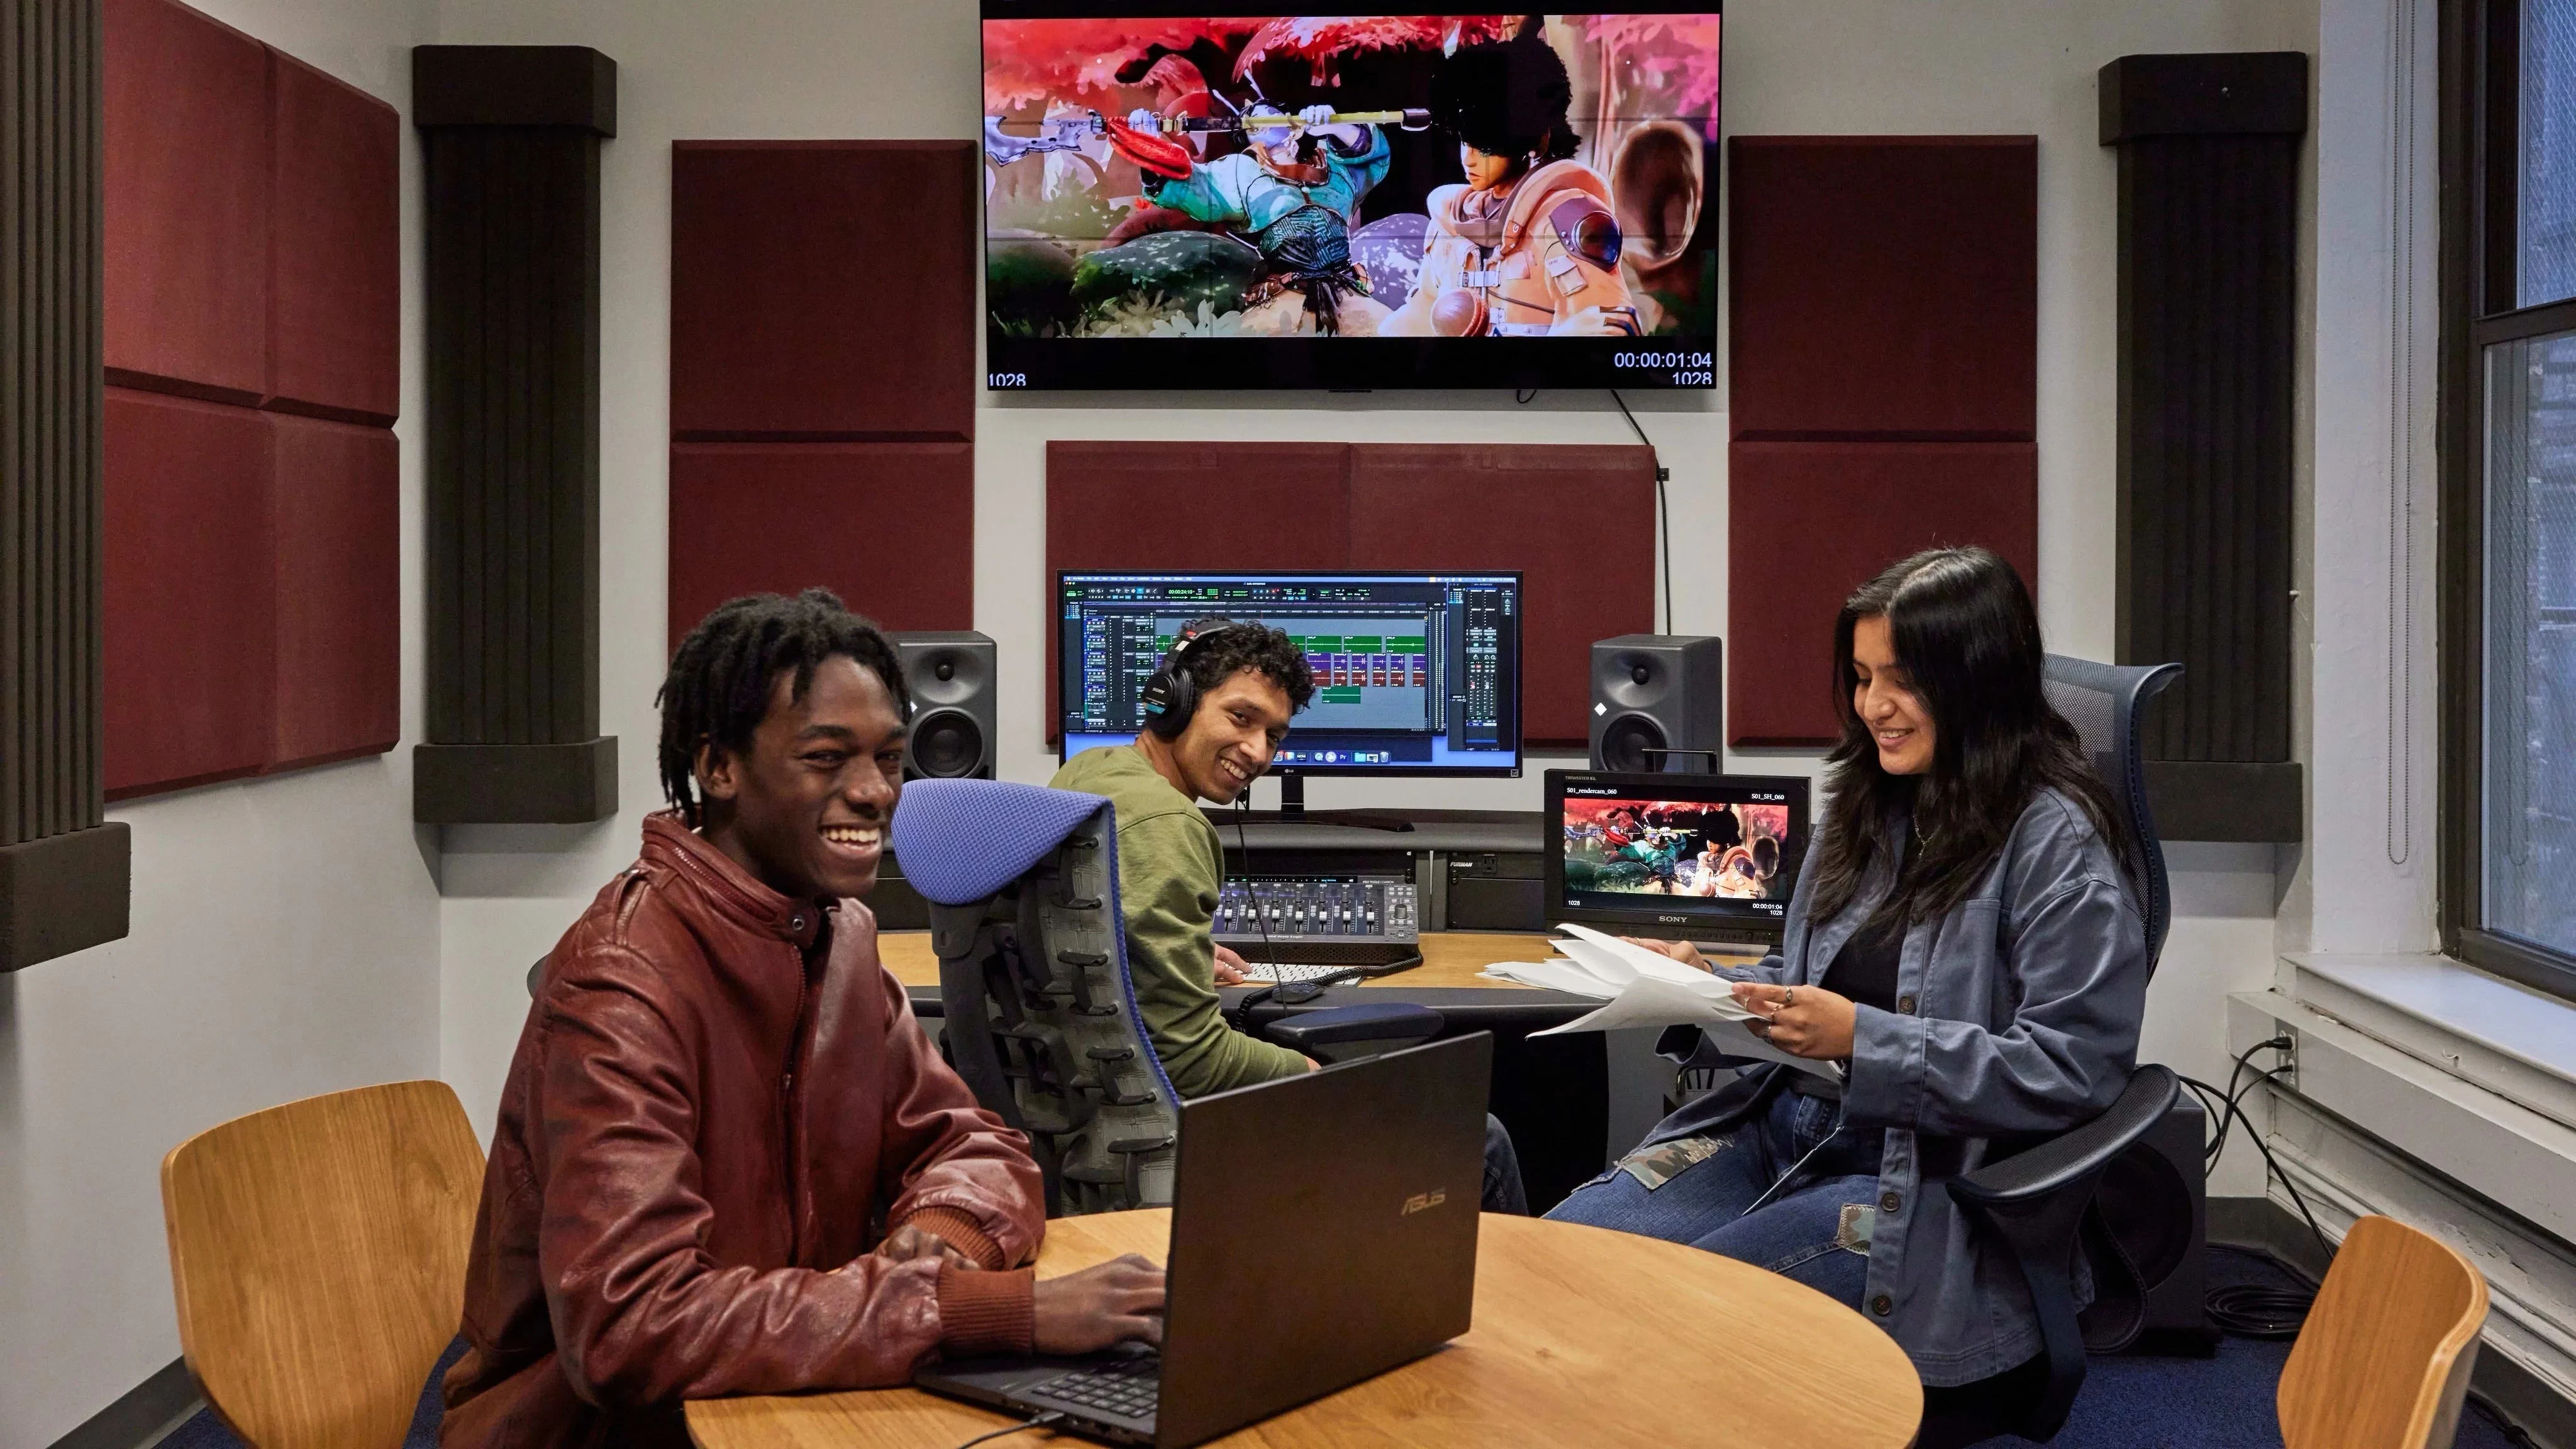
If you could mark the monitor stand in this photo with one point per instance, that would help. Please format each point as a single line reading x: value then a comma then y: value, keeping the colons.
x: 1292, y: 811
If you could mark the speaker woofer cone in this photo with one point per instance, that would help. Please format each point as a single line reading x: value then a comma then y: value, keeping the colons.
x: 1625, y: 742
x: 946, y: 744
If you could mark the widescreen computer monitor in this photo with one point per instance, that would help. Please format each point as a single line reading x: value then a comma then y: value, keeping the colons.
x: 1682, y: 857
x: 1415, y: 673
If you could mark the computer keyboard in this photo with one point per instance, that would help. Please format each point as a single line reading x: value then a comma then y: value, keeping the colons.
x: 1296, y: 971
x: 1319, y: 921
x: 1128, y: 1387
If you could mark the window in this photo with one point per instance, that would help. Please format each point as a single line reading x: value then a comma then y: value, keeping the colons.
x: 2509, y: 489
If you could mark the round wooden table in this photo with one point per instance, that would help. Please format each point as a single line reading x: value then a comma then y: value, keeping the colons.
x: 1582, y: 1337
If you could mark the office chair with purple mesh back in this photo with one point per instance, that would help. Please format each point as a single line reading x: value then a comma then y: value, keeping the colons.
x: 1040, y: 1012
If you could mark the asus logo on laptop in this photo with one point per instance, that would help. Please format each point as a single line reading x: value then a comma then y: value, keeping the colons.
x: 1424, y: 1202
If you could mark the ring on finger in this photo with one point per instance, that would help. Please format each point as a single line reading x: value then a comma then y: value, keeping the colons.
x: 1788, y: 998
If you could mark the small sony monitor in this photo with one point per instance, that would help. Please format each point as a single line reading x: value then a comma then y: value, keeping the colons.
x: 1684, y: 857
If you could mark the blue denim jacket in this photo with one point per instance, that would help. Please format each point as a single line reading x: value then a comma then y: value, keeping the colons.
x: 2017, y: 1017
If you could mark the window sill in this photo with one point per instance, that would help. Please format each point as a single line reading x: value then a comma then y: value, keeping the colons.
x: 2509, y: 1039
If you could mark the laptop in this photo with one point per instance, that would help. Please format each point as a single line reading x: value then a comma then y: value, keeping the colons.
x: 1323, y: 1232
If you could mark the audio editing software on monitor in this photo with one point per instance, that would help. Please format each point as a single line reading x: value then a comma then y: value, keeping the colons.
x: 1415, y: 673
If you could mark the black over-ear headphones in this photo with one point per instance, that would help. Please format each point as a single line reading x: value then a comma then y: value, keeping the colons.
x: 1170, y: 695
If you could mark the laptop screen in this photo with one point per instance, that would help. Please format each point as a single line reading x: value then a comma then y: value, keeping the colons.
x: 1700, y: 857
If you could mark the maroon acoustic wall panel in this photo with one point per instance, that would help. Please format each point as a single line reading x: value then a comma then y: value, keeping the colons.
x: 190, y: 620
x: 1577, y: 521
x: 1169, y: 505
x: 1883, y: 286
x: 335, y: 248
x: 1196, y: 505
x: 253, y: 220
x: 1883, y: 326
x: 336, y: 499
x: 823, y: 290
x: 1809, y: 522
x: 187, y: 202
x: 890, y: 527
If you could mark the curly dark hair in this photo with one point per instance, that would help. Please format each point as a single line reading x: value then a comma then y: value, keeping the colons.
x: 1249, y: 645
x: 1507, y: 98
x: 721, y: 675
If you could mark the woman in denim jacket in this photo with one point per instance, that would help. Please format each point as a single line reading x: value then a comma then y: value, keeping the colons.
x: 1963, y: 937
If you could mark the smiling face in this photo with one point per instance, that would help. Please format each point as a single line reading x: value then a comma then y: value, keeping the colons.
x: 1230, y: 739
x: 1884, y: 698
x: 805, y: 808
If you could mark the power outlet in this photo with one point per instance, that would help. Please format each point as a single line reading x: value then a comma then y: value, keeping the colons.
x: 2286, y: 1061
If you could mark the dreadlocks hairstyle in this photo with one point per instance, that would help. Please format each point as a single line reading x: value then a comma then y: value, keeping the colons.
x: 1507, y: 98
x: 1964, y: 629
x: 721, y: 676
x: 1257, y: 647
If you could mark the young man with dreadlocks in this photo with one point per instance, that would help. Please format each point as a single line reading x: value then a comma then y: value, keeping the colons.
x: 1245, y: 682
x: 728, y: 1161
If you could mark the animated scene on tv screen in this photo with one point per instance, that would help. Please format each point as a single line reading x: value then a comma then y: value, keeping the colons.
x: 1677, y: 848
x: 1312, y: 177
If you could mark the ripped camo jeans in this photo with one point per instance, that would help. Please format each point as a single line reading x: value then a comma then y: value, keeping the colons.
x: 1814, y: 1228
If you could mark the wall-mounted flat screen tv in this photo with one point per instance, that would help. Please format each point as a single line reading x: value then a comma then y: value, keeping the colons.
x: 1181, y: 197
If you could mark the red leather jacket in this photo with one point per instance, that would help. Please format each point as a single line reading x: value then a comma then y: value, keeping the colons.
x: 708, y: 1117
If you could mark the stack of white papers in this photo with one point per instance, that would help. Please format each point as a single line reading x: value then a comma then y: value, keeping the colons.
x: 1645, y: 988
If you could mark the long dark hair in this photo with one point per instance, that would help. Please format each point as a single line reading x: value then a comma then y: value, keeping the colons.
x: 1963, y: 628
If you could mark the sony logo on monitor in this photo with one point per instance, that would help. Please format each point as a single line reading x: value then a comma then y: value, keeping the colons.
x: 1672, y: 920
x: 1424, y: 1201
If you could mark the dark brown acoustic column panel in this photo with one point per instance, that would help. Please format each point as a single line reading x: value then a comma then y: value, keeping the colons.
x: 65, y: 873
x: 510, y: 152
x: 823, y: 376
x: 1884, y: 326
x: 2208, y: 345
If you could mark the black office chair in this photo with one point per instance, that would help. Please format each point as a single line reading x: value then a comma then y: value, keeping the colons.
x: 2045, y: 1203
x: 1040, y: 1014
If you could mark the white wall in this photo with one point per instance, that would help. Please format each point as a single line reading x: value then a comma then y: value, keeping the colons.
x: 284, y: 943
x: 807, y: 68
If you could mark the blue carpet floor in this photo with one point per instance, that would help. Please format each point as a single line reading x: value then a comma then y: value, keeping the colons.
x: 2127, y: 1403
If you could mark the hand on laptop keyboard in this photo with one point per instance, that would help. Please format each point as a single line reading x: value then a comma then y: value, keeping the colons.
x: 1101, y: 1305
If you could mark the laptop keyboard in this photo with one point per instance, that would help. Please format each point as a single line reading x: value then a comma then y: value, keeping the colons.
x: 1127, y: 1387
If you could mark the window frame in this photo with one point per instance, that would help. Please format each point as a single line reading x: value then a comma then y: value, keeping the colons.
x: 2481, y: 60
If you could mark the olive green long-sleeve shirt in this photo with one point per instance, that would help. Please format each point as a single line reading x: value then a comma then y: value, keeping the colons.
x: 1169, y: 867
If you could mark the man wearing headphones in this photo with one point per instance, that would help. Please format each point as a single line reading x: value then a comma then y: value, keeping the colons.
x: 1215, y: 713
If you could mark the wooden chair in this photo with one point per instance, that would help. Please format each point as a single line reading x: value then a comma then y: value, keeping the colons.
x: 317, y: 1251
x: 2384, y: 1359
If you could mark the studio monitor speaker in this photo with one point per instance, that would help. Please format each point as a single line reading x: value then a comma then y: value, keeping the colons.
x: 950, y: 674
x: 1659, y: 703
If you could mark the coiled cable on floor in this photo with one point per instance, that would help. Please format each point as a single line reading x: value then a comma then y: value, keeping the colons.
x: 2255, y: 1310
x: 2251, y: 1310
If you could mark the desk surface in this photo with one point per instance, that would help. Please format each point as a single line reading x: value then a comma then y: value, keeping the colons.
x: 1582, y: 1336
x: 1450, y: 960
